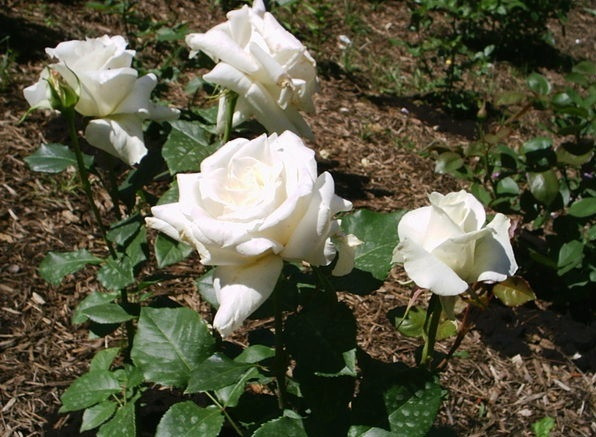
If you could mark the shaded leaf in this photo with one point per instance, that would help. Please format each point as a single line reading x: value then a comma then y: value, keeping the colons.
x: 283, y: 426
x: 583, y: 207
x: 97, y: 414
x: 539, y: 84
x: 544, y: 186
x: 448, y: 162
x: 54, y: 158
x: 108, y: 313
x: 215, y: 372
x: 169, y: 251
x: 93, y: 299
x: 123, y: 424
x: 186, y: 146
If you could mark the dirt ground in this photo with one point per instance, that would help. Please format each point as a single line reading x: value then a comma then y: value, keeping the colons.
x: 516, y: 367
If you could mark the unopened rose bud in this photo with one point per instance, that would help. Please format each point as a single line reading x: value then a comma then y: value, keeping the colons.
x: 62, y: 95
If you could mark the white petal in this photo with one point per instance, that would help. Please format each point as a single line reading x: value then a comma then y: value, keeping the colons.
x: 346, y: 252
x: 137, y: 101
x: 38, y: 94
x: 218, y: 45
x: 242, y: 289
x: 495, y: 260
x: 429, y: 272
x: 120, y: 136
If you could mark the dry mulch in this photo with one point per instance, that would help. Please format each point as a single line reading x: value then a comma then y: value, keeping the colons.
x: 516, y: 367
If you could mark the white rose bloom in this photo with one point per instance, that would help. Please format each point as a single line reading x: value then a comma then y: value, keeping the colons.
x: 270, y: 70
x: 445, y: 246
x: 253, y: 205
x: 110, y: 92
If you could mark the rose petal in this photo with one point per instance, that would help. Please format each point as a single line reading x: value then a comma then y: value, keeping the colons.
x: 429, y: 272
x: 242, y: 289
x: 346, y: 252
x: 120, y: 136
x: 495, y: 260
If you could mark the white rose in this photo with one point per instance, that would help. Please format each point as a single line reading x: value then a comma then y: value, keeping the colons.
x: 254, y: 204
x: 110, y: 91
x: 444, y: 247
x: 270, y: 70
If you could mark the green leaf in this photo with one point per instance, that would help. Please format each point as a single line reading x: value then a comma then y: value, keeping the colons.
x: 575, y: 154
x: 283, y: 426
x: 123, y: 424
x: 378, y: 232
x: 169, y: 251
x: 56, y: 265
x: 124, y: 230
x: 412, y: 412
x: 509, y: 98
x: 544, y: 186
x: 136, y: 249
x: 93, y: 299
x: 536, y: 144
x: 89, y: 389
x: 480, y: 193
x: 571, y: 256
x: 507, y: 187
x: 108, y: 313
x: 543, y: 427
x: 254, y: 354
x: 215, y: 372
x: 103, y: 359
x: 97, y: 414
x: 539, y: 84
x: 583, y: 207
x: 54, y: 158
x: 116, y: 274
x: 169, y: 344
x: 448, y: 162
x: 587, y: 68
x: 171, y: 195
x: 186, y: 146
x: 369, y: 431
x: 413, y: 324
x: 186, y: 419
x: 514, y: 291
x: 230, y: 395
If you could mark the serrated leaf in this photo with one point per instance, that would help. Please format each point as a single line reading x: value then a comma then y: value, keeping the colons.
x: 215, y: 372
x: 186, y: 146
x: 116, y: 274
x: 56, y: 265
x: 89, y: 389
x: 369, y: 431
x: 448, y: 162
x: 186, y: 419
x: 539, y: 84
x: 123, y: 424
x: 108, y: 313
x: 169, y: 251
x: 378, y: 232
x: 283, y: 426
x: 169, y: 344
x: 514, y: 291
x: 93, y: 299
x: 97, y: 414
x: 124, y: 230
x: 544, y: 186
x: 103, y: 359
x: 54, y: 158
x: 583, y: 207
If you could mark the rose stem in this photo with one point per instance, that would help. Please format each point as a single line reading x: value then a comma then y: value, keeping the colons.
x: 230, y: 104
x: 431, y: 324
x: 225, y: 413
x: 280, y: 359
x: 70, y: 118
x: 465, y: 327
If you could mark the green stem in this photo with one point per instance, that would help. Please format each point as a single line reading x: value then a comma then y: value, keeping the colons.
x: 84, y: 175
x: 129, y: 326
x: 431, y: 325
x: 280, y: 356
x: 225, y: 413
x: 465, y: 327
x: 113, y: 188
x: 231, y: 99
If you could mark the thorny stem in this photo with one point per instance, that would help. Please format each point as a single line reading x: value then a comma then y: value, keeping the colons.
x: 230, y: 98
x: 84, y: 175
x: 465, y: 327
x: 223, y: 410
x: 431, y: 325
x: 280, y: 355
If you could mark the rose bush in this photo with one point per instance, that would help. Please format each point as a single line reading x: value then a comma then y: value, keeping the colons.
x: 270, y: 70
x: 253, y: 205
x: 99, y: 71
x: 445, y: 246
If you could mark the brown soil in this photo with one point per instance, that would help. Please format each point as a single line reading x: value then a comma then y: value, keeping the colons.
x: 518, y: 366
